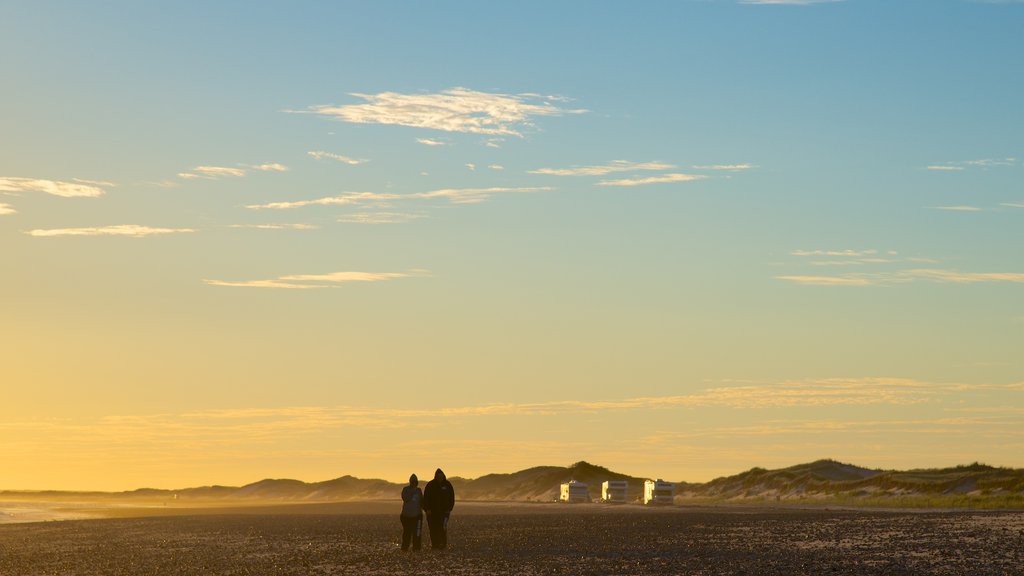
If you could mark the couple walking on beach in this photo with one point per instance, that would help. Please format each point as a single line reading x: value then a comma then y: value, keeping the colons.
x: 437, y: 501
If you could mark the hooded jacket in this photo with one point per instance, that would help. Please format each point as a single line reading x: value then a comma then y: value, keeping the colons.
x: 439, y: 496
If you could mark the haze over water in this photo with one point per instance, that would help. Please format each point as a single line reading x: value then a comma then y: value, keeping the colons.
x: 242, y: 240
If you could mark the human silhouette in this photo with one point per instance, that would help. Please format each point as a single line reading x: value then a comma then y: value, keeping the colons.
x: 438, y: 501
x: 412, y: 515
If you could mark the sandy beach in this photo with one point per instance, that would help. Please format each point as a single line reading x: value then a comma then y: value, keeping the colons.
x: 362, y: 538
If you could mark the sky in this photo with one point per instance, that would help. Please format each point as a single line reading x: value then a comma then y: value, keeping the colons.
x: 242, y: 240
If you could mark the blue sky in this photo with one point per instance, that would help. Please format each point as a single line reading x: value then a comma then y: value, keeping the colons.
x: 269, y: 212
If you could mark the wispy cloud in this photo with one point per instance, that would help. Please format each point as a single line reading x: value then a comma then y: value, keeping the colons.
x: 320, y: 155
x: 6, y: 209
x: 869, y: 391
x: 1013, y: 204
x: 851, y: 262
x: 165, y: 183
x: 264, y: 284
x: 214, y: 172
x: 270, y: 167
x: 471, y: 166
x: 991, y: 426
x: 785, y: 416
x: 958, y: 208
x: 453, y: 110
x: 81, y: 189
x: 218, y: 171
x: 100, y: 183
x: 211, y: 172
x: 939, y: 276
x: 843, y: 253
x: 317, y: 281
x: 810, y: 393
x: 346, y: 199
x: 850, y: 257
x: 665, y: 178
x: 454, y: 195
x: 958, y: 277
x: 496, y: 167
x: 276, y: 226
x: 730, y: 167
x: 983, y: 163
x: 379, y: 218
x: 605, y: 169
x: 430, y: 142
x: 989, y: 162
x: 132, y: 230
x: 845, y: 280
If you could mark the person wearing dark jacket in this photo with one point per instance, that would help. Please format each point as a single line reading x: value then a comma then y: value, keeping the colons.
x: 438, y: 501
x: 412, y: 515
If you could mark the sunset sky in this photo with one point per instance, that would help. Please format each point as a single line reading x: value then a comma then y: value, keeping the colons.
x: 679, y: 239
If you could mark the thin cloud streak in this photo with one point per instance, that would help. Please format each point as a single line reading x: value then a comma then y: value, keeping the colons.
x: 602, y: 170
x: 217, y: 171
x: 79, y: 189
x: 453, y: 110
x: 271, y: 167
x: 938, y: 276
x: 320, y: 155
x: 289, y: 433
x: 730, y: 167
x: 983, y: 163
x: 379, y: 218
x: 961, y: 208
x: 454, y: 195
x: 6, y: 209
x: 130, y: 230
x: 329, y: 201
x: 317, y: 281
x: 100, y: 183
x: 843, y: 253
x: 871, y: 391
x: 849, y: 280
x: 276, y: 226
x: 652, y: 180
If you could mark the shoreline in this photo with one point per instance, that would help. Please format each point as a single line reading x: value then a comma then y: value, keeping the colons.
x: 35, y: 511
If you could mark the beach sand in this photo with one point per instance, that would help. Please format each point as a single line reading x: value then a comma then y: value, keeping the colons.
x: 362, y: 538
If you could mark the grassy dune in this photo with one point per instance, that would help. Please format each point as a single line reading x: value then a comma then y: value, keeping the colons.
x: 976, y: 486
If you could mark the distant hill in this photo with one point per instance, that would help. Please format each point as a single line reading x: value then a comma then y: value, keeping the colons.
x: 828, y: 480
x: 540, y: 483
x: 823, y: 481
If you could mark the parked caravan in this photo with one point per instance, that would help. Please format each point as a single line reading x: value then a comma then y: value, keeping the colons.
x: 573, y: 491
x: 614, y: 491
x: 658, y: 492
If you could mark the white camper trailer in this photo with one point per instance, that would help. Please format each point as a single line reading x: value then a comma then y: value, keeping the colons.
x: 614, y: 491
x: 573, y: 491
x: 658, y: 492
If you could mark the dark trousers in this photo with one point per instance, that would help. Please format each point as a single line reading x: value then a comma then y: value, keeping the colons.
x: 412, y: 529
x: 438, y: 524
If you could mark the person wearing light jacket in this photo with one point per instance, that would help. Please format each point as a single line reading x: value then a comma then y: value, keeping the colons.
x: 412, y: 515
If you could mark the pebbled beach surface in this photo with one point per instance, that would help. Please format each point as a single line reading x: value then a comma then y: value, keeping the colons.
x: 520, y: 539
